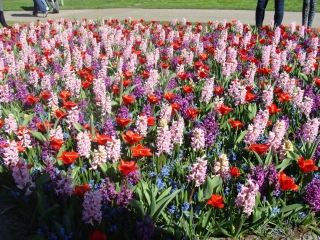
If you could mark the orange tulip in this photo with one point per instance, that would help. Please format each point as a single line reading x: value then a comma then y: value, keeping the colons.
x: 127, y: 167
x: 219, y: 90
x: 68, y: 157
x: 141, y: 151
x: 216, y: 201
x: 169, y: 96
x: 286, y: 183
x: 284, y: 97
x: 131, y: 137
x: 187, y: 89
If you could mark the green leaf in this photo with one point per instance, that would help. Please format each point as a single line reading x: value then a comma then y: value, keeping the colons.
x: 210, y: 185
x: 241, y: 136
x: 286, y: 162
x: 316, y: 230
x: 292, y: 155
x: 295, y: 207
x: 38, y: 135
x: 42, y: 179
x: 207, y: 217
x: 162, y: 204
x: 164, y: 193
x: 41, y: 201
x: 258, y: 157
x: 79, y: 127
x: 48, y: 211
x: 138, y: 206
x: 153, y: 202
x: 224, y: 231
x: 104, y: 167
x: 27, y: 120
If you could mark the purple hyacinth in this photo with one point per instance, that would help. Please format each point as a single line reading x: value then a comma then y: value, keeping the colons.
x: 138, y: 90
x: 108, y: 128
x: 312, y: 195
x: 123, y: 112
x: 107, y: 190
x: 147, y: 110
x: 123, y: 196
x: 184, y: 105
x: 210, y: 127
x: 172, y: 84
x: 145, y: 229
x: 265, y: 176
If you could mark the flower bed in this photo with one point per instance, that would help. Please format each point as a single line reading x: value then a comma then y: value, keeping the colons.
x: 143, y: 130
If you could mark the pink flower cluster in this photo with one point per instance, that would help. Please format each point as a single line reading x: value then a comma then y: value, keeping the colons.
x: 198, y: 172
x: 246, y: 198
x: 21, y: 176
x: 92, y: 207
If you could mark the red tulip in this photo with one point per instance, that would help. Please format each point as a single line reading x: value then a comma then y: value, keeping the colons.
x: 141, y: 151
x: 151, y: 121
x: 1, y: 123
x: 102, y: 140
x: 69, y: 105
x: 234, y: 172
x: 123, y: 122
x: 169, y: 96
x: 43, y: 127
x: 64, y: 94
x: 56, y: 143
x: 317, y: 81
x: 127, y: 99
x: 273, y: 109
x: 81, y: 190
x: 286, y: 183
x: 45, y: 95
x: 187, y: 89
x: 224, y: 109
x: 127, y: 74
x: 32, y: 100
x: 127, y: 167
x: 97, y: 235
x: 175, y: 106
x: 259, y: 148
x: 284, y: 97
x: 236, y: 123
x: 250, y: 97
x: 131, y: 137
x: 60, y: 114
x: 307, y: 165
x: 68, y: 157
x: 219, y: 90
x: 192, y: 113
x: 216, y: 201
x: 153, y: 99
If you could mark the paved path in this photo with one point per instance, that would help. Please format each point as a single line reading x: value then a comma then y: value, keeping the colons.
x: 192, y: 15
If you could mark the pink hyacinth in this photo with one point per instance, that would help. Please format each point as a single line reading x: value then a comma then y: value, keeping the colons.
x: 306, y: 106
x: 11, y: 154
x: 276, y: 135
x: 113, y: 150
x: 21, y: 176
x: 24, y: 137
x: 176, y: 130
x: 221, y: 167
x: 266, y: 50
x: 297, y: 96
x: 165, y: 112
x: 92, y: 207
x: 4, y: 93
x: 246, y: 198
x: 286, y: 83
x: 73, y: 117
x: 142, y: 125
x: 257, y: 128
x: 56, y: 133
x: 197, y: 139
x: 83, y: 144
x: 99, y: 157
x: 46, y: 83
x: 309, y: 131
x: 10, y: 124
x: 198, y: 172
x: 267, y: 95
x: 164, y: 144
x: 238, y: 92
x: 250, y: 74
x: 151, y: 82
x: 207, y: 91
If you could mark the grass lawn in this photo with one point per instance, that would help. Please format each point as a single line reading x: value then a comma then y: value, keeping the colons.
x: 290, y: 5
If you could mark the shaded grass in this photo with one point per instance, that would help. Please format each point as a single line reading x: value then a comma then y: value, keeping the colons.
x: 290, y: 5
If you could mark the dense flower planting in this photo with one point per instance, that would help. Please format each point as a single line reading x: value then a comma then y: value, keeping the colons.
x: 142, y: 130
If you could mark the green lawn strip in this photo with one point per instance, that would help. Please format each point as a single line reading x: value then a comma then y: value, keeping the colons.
x: 290, y: 5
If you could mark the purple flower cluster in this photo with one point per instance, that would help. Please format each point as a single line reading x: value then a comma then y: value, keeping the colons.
x: 266, y: 177
x: 210, y: 128
x: 145, y: 229
x: 312, y: 195
x: 109, y: 194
